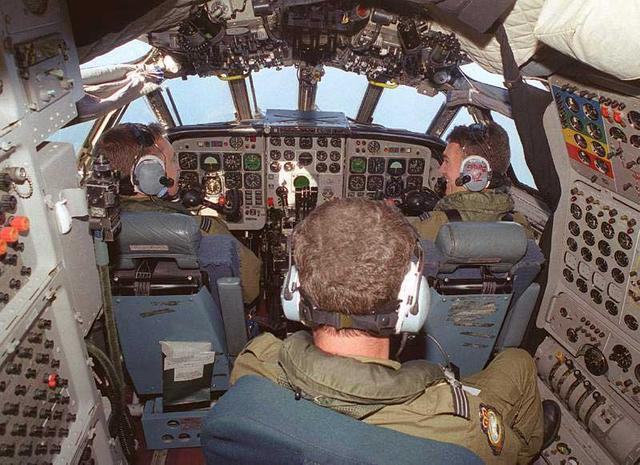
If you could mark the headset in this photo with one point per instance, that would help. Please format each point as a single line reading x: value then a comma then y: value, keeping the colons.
x: 475, y: 170
x: 149, y: 173
x: 406, y: 314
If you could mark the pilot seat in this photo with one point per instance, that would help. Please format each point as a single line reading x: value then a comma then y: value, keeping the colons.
x: 482, y: 291
x: 172, y: 284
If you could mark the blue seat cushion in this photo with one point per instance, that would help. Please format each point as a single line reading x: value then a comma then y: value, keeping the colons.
x: 258, y: 422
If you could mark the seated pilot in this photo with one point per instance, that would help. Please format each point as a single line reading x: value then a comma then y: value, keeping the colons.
x: 474, y: 166
x: 128, y: 145
x: 351, y: 285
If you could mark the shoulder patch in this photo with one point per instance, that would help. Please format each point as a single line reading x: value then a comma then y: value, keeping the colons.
x: 205, y: 223
x: 424, y: 216
x: 493, y: 427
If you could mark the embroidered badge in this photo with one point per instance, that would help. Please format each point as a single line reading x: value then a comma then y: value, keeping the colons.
x: 492, y: 427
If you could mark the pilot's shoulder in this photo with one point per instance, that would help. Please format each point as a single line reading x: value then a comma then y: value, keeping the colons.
x: 429, y: 224
x: 259, y: 357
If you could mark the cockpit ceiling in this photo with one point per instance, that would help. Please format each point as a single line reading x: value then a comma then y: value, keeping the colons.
x: 573, y: 28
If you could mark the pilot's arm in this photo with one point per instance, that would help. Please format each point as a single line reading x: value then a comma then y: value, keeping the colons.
x: 429, y: 224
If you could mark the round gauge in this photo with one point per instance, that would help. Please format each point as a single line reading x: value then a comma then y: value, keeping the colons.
x: 336, y: 142
x: 595, y: 361
x: 321, y: 141
x: 373, y: 146
x: 574, y: 228
x: 572, y: 104
x: 334, y: 168
x: 289, y: 155
x: 356, y: 182
x: 252, y: 181
x: 396, y: 167
x: 414, y: 183
x: 631, y: 322
x: 233, y: 180
x: 274, y: 167
x: 599, y: 149
x: 589, y: 238
x: 594, y: 131
x: 232, y: 161
x: 236, y: 142
x: 375, y: 183
x: 624, y: 240
x: 581, y: 284
x: 601, y: 263
x: 604, y: 248
x: 586, y: 254
x: 252, y: 162
x: 275, y: 141
x: 321, y: 167
x: 188, y: 160
x: 188, y: 180
x: 584, y: 158
x: 611, y: 307
x: 305, y: 159
x: 602, y: 166
x: 607, y: 230
x: 210, y: 162
x: 575, y: 123
x: 572, y: 244
x: 393, y: 188
x: 289, y: 141
x: 321, y: 155
x: 621, y: 258
x: 591, y: 220
x: 211, y: 185
x: 576, y: 211
x: 590, y: 111
x: 289, y: 166
x: 416, y: 166
x: 635, y: 140
x: 580, y: 140
x: 618, y: 275
x: 358, y: 165
x: 376, y: 165
x: 568, y: 275
x: 622, y: 357
x: 306, y: 143
x: 618, y: 134
x: 634, y: 119
x: 275, y: 154
x: 596, y: 296
x: 334, y: 156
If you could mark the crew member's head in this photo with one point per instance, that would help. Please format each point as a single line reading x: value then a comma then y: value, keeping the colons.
x: 126, y: 144
x: 489, y: 141
x: 352, y: 255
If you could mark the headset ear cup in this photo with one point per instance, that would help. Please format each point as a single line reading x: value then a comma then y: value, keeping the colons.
x: 414, y: 308
x: 147, y: 174
x: 290, y: 295
x: 413, y: 323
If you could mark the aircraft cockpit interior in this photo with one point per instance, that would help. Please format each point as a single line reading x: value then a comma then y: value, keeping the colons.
x: 130, y: 286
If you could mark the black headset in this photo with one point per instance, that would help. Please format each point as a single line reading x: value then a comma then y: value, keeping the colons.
x: 149, y: 173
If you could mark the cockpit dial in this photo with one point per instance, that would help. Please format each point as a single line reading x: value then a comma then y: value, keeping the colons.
x: 634, y: 119
x: 394, y: 187
x: 211, y: 184
x: 289, y: 155
x: 582, y: 155
x: 376, y: 165
x: 590, y: 111
x: 580, y: 140
x: 416, y: 166
x: 358, y: 165
x: 621, y: 258
x: 322, y: 141
x: 591, y: 220
x: 188, y: 180
x: 275, y: 141
x: 599, y: 149
x: 252, y: 162
x: 334, y: 155
x: 236, y: 142
x: 321, y: 155
x: 375, y: 182
x: 373, y: 146
x: 618, y: 134
x: 607, y: 230
x: 252, y: 181
x: 275, y: 154
x: 601, y: 166
x: 572, y: 104
x: 396, y: 166
x: 575, y: 123
x: 604, y: 248
x: 289, y: 141
x: 306, y: 143
x: 576, y: 211
x: 336, y: 142
x: 233, y: 180
x: 188, y: 160
x: 356, y: 182
x: 625, y: 240
x: 210, y: 162
x: 594, y: 131
x: 232, y: 161
x: 305, y: 159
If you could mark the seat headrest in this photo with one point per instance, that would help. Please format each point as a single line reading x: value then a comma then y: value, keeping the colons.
x: 158, y: 235
x: 499, y: 245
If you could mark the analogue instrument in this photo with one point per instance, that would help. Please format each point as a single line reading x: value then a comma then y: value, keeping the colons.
x: 621, y: 258
x: 635, y: 140
x: 572, y: 244
x: 305, y: 159
x: 602, y: 166
x: 580, y: 140
x: 356, y: 182
x: 336, y: 142
x: 321, y: 141
x: 252, y: 162
x: 599, y: 149
x: 334, y: 168
x: 574, y: 228
x: 618, y: 275
x: 634, y: 119
x: 275, y: 141
x: 321, y: 167
x: 233, y: 180
x: 289, y: 155
x: 334, y: 156
x: 188, y: 180
x: 611, y: 307
x: 572, y: 104
x: 416, y: 166
x: 595, y: 361
x: 575, y: 123
x: 394, y: 187
x: 188, y: 160
x: 591, y: 220
x: 590, y: 111
x: 306, y: 143
x: 289, y: 141
x: 582, y: 155
x: 232, y: 161
x: 631, y: 322
x: 252, y: 181
x: 236, y: 142
x: 607, y: 230
x: 576, y: 211
x: 618, y: 134
x: 289, y: 166
x: 358, y: 165
x: 602, y: 265
x: 625, y: 240
x: 568, y: 275
x: 594, y: 131
x: 414, y: 183
x: 375, y: 182
x: 589, y: 238
x: 376, y: 165
x: 373, y: 146
x: 604, y: 248
x: 274, y: 167
x: 396, y: 166
x: 275, y: 154
x: 211, y: 185
x: 321, y: 155
x: 210, y: 162
x: 596, y: 296
x: 586, y: 254
x: 621, y: 356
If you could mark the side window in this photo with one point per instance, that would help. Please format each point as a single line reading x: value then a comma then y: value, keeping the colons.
x: 139, y: 112
x: 405, y: 108
x: 201, y: 100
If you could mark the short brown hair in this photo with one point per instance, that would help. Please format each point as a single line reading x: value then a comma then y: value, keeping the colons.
x: 121, y: 147
x: 352, y: 254
x: 489, y: 141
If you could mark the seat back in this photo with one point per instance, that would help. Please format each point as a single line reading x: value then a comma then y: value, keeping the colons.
x: 478, y: 272
x: 257, y: 421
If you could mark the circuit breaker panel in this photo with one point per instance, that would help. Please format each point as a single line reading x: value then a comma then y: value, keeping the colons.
x: 51, y: 411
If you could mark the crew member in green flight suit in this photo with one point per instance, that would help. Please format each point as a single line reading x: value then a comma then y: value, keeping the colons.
x: 351, y: 256
x: 124, y: 145
x: 474, y: 200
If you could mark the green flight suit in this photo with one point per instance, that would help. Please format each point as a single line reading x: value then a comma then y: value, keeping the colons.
x: 487, y: 205
x: 502, y: 422
x: 250, y: 264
